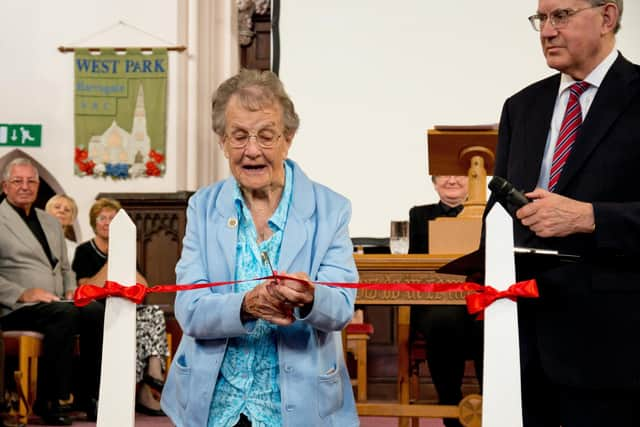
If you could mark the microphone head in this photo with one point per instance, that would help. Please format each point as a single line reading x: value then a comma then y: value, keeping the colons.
x: 504, y: 190
x: 499, y: 185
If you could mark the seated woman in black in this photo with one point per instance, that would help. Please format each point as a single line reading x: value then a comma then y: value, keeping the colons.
x: 449, y: 331
x: 90, y: 265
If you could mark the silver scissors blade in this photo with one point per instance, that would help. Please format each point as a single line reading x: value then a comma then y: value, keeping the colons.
x: 267, y: 261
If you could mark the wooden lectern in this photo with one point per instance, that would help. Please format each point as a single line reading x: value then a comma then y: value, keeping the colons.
x: 461, y: 150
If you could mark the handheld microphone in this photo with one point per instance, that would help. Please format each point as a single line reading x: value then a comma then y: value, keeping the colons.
x: 504, y: 190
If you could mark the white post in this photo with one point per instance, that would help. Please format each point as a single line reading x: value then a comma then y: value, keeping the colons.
x: 501, y: 395
x: 116, y: 406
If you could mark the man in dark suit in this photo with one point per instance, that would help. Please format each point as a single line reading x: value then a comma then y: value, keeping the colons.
x: 451, y: 334
x: 579, y: 360
x: 34, y: 277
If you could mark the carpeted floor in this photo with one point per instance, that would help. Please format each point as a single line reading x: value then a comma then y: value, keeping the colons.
x: 393, y: 422
x: 146, y: 421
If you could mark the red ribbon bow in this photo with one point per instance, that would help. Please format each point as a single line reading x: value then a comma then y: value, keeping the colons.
x: 86, y: 293
x: 477, y: 302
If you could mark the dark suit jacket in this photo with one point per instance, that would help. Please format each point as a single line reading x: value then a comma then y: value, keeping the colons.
x: 583, y: 326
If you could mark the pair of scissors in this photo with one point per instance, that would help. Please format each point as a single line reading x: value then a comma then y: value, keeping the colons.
x: 267, y: 261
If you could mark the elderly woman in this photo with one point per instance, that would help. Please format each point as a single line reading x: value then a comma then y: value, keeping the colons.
x: 90, y: 265
x: 65, y: 209
x: 262, y: 353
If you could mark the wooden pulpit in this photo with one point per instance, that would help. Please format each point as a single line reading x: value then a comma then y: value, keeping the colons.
x: 461, y: 150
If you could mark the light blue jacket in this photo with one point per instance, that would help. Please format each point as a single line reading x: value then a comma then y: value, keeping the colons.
x: 314, y: 382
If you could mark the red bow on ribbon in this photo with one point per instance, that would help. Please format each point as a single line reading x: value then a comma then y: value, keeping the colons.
x: 86, y: 293
x: 477, y: 302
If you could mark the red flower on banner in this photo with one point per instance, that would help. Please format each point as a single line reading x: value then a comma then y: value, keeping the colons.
x: 152, y: 169
x: 157, y: 157
x: 81, y: 161
x: 81, y: 155
x: 154, y: 165
x: 87, y: 167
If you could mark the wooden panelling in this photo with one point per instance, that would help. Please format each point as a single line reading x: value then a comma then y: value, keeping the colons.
x: 160, y: 220
x: 257, y: 54
x: 380, y: 310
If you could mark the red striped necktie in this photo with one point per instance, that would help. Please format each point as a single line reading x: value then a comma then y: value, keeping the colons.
x: 568, y: 132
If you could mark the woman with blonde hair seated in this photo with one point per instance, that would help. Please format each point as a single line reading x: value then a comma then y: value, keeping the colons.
x: 90, y: 265
x: 65, y: 209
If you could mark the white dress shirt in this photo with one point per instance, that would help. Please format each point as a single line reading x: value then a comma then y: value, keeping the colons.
x: 595, y: 80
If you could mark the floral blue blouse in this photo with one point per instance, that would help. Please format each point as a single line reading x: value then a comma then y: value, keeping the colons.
x: 249, y: 376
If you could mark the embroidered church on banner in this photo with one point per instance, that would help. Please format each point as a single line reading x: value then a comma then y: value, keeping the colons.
x: 120, y: 113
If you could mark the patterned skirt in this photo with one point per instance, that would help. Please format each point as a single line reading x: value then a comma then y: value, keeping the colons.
x: 151, y: 338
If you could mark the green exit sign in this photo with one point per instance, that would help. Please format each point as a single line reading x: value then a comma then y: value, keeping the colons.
x: 20, y: 135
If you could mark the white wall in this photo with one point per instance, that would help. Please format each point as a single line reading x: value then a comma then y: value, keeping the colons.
x: 36, y: 81
x: 385, y: 71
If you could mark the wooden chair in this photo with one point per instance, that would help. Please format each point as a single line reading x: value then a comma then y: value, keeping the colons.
x: 26, y: 346
x: 169, y: 346
x: 357, y: 335
x: 470, y: 407
x: 417, y: 356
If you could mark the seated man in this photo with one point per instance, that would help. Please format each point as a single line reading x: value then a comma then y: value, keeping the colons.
x: 35, y: 277
x: 450, y: 332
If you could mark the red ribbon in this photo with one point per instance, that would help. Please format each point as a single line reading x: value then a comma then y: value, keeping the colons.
x: 86, y: 293
x: 477, y: 301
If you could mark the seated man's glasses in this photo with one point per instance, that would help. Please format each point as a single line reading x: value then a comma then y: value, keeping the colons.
x: 266, y: 138
x: 558, y: 18
x: 17, y: 182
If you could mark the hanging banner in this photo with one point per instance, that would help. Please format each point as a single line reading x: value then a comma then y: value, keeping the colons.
x: 120, y: 113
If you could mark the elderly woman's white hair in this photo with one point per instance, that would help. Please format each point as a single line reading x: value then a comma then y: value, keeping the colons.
x: 255, y: 90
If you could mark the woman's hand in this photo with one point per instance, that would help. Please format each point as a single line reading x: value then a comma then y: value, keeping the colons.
x: 261, y: 303
x: 293, y: 292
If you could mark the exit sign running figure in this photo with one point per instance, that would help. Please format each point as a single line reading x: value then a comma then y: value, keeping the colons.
x: 19, y: 135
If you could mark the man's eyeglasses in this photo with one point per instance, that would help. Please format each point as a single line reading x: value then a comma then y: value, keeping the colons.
x: 558, y: 18
x: 265, y: 138
x: 17, y: 182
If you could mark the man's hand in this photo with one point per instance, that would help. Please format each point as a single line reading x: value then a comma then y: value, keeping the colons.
x: 259, y: 303
x: 552, y: 215
x: 38, y: 295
